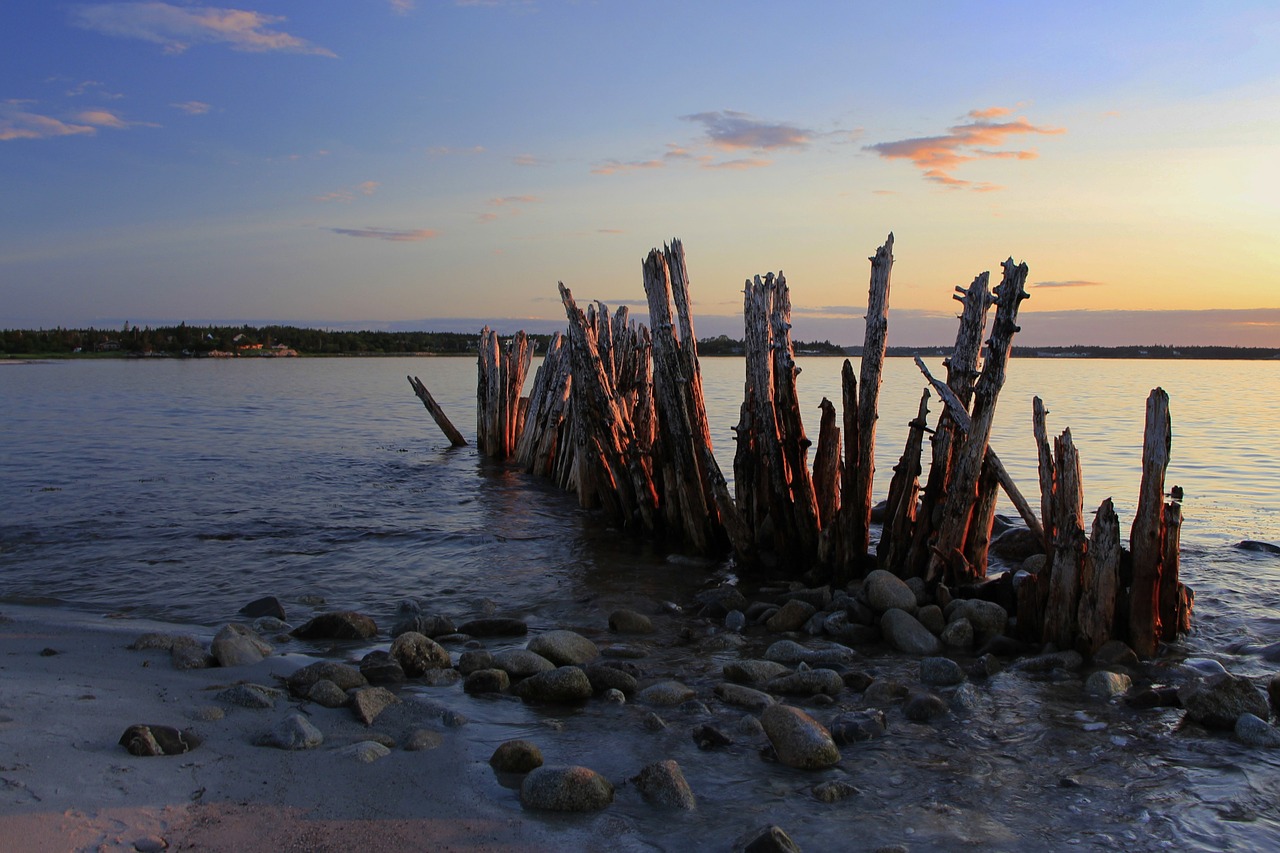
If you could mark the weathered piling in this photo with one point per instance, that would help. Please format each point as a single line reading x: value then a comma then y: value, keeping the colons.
x: 437, y: 413
x: 902, y: 506
x: 501, y: 374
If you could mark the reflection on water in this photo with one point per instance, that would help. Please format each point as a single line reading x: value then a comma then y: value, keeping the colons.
x: 181, y: 490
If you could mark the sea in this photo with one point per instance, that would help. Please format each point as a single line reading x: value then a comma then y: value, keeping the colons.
x: 176, y: 491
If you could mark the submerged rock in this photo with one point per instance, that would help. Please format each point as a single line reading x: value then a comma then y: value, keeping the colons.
x: 339, y: 625
x: 266, y: 606
x: 1255, y: 731
x: 516, y: 756
x: 565, y: 789
x: 629, y: 622
x: 564, y: 648
x: 428, y: 624
x: 809, y: 682
x: 858, y: 726
x: 768, y: 839
x: 754, y: 671
x: 665, y: 694
x: 663, y: 784
x: 791, y: 652
x: 494, y: 626
x: 798, y: 740
x: 834, y: 791
x: 1217, y: 702
x: 902, y: 631
x: 564, y: 684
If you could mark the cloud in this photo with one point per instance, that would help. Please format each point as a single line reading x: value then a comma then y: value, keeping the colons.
x: 177, y: 28
x: 528, y: 160
x: 104, y: 118
x: 446, y: 151
x: 192, y: 108
x: 1072, y: 283
x: 739, y: 165
x: 937, y: 157
x: 93, y: 87
x: 18, y: 123
x: 394, y: 235
x: 511, y: 203
x: 349, y: 193
x: 401, y: 7
x: 614, y: 167
x: 733, y: 131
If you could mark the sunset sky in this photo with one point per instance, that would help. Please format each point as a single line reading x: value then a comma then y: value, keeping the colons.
x: 433, y: 164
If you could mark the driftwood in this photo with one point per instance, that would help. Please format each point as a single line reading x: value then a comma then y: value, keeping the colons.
x: 1061, y: 617
x: 501, y: 375
x: 1100, y: 582
x: 437, y: 413
x: 902, y: 505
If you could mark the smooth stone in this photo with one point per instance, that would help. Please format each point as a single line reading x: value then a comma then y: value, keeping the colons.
x: 516, y: 756
x: 931, y: 617
x: 381, y: 668
x: 858, y: 726
x: 958, y: 634
x: 368, y: 702
x: 564, y: 684
x: 327, y: 694
x: 791, y: 652
x: 1204, y: 667
x: 768, y: 839
x: 629, y: 622
x: 150, y: 844
x: 921, y: 707
x: 366, y: 751
x: 423, y: 739
x: 902, y: 631
x: 719, y: 601
x: 988, y: 618
x: 344, y: 676
x: 427, y: 624
x: 1016, y: 544
x: 940, y: 672
x: 186, y: 656
x: 1255, y: 731
x: 735, y: 620
x: 1217, y: 702
x: 1115, y: 653
x: 709, y: 737
x: 417, y: 654
x: 1105, y: 685
x: 604, y: 678
x: 338, y: 625
x: 799, y: 740
x: 251, y: 696
x: 663, y: 784
x: 614, y: 696
x: 886, y: 591
x: 238, y: 645
x: 521, y: 663
x: 807, y: 683
x: 473, y: 660
x: 665, y: 694
x: 885, y: 691
x: 741, y: 696
x: 268, y: 605
x: 494, y: 626
x: 565, y: 789
x: 149, y: 740
x: 564, y: 648
x: 834, y: 791
x: 293, y: 732
x: 440, y: 677
x: 1068, y: 660
x: 790, y: 617
x: 753, y: 671
x: 652, y: 722
x: 486, y: 681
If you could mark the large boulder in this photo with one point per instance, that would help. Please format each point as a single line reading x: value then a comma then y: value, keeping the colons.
x: 1217, y: 702
x: 564, y: 648
x: 905, y: 633
x: 799, y: 740
x: 988, y: 618
x: 564, y: 684
x: 663, y: 784
x: 238, y: 645
x: 565, y: 789
x: 516, y: 756
x: 338, y: 625
x: 521, y: 663
x: 886, y: 591
x: 416, y: 653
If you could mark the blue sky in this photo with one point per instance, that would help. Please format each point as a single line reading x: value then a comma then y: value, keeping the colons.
x: 368, y: 162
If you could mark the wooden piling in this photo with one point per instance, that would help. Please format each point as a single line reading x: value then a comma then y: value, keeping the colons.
x: 437, y: 413
x: 1145, y: 541
x: 1062, y: 610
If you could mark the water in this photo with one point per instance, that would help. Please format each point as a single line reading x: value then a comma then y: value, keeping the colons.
x: 180, y: 490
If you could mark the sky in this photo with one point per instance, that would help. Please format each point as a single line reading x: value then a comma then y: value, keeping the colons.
x: 440, y: 165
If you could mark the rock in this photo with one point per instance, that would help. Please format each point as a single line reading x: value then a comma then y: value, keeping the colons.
x: 1105, y: 685
x: 1153, y: 697
x: 366, y: 751
x: 381, y: 668
x: 428, y: 625
x: 735, y: 620
x: 931, y: 617
x: 717, y: 602
x: 150, y: 844
x: 338, y: 625
x: 790, y: 617
x: 148, y: 740
x: 522, y: 663
x: 1258, y: 547
x: 293, y: 732
x: 494, y: 626
x: 1015, y: 545
x: 516, y: 756
x: 987, y: 618
x: 940, y: 672
x: 858, y: 726
x: 922, y: 706
x: 1255, y: 731
x: 834, y: 791
x: 417, y: 654
x: 1068, y: 660
x: 884, y: 691
x: 327, y: 694
x: 238, y: 645
x: 741, y: 696
x: 1218, y: 701
x: 368, y: 702
x: 486, y: 681
x: 251, y: 696
x: 818, y: 597
x: 159, y: 641
x: 856, y: 680
x: 344, y: 676
x: 564, y: 648
x: 629, y: 622
x: 565, y: 789
x: 423, y: 739
x: 270, y: 625
x: 886, y: 591
x: 958, y: 634
x: 901, y: 630
x: 768, y: 839
x: 473, y: 660
x: 265, y: 606
x: 653, y: 723
x: 604, y: 678
x: 665, y: 694
x: 564, y: 684
x: 663, y: 784
x: 709, y: 737
x: 753, y: 671
x: 791, y: 652
x: 799, y: 740
x: 1273, y: 694
x: 1115, y: 653
x: 809, y: 682
x: 1203, y: 667
x: 614, y: 696
x: 191, y: 655
x: 440, y: 677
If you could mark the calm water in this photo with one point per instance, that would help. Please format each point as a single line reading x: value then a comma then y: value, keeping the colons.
x: 179, y: 490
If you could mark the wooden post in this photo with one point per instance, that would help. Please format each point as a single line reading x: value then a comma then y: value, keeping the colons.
x: 900, y: 516
x: 826, y: 466
x: 1145, y: 542
x: 1175, y: 599
x: 1039, y: 428
x: 1100, y: 582
x: 437, y: 413
x: 791, y: 435
x: 1070, y: 545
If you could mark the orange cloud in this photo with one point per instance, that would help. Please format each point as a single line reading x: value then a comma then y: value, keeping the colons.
x: 528, y: 160
x: 394, y: 235
x: 739, y: 165
x: 614, y: 167
x: 18, y: 123
x: 176, y: 28
x: 937, y: 157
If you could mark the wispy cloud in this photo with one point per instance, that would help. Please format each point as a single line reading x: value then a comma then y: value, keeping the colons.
x: 512, y: 205
x: 528, y: 160
x: 1071, y: 283
x: 347, y: 194
x: 94, y: 88
x: 614, y: 167
x: 17, y: 122
x: 402, y: 7
x: 106, y: 118
x: 739, y: 165
x: 447, y: 151
x: 728, y: 130
x: 192, y: 108
x: 394, y: 235
x: 177, y: 28
x: 937, y: 157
